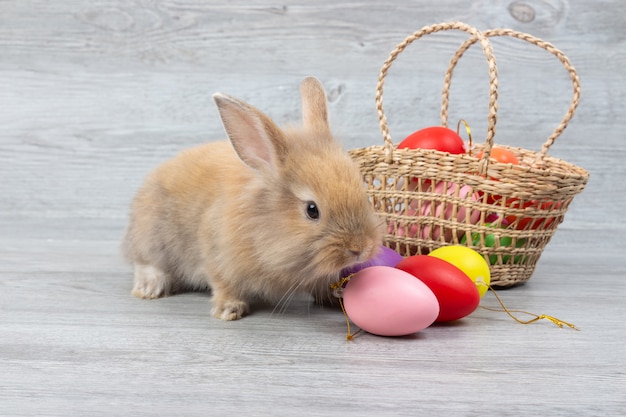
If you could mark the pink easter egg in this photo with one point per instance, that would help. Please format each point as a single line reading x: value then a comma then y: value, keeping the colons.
x: 448, y: 212
x: 389, y: 302
x: 436, y: 209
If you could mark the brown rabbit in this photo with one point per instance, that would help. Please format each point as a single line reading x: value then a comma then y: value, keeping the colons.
x: 270, y: 214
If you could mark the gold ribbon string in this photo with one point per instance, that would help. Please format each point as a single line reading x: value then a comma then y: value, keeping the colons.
x: 469, y: 134
x: 337, y: 288
x: 560, y: 323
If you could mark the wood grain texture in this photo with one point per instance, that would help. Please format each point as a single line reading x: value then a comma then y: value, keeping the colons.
x: 96, y: 93
x: 74, y: 342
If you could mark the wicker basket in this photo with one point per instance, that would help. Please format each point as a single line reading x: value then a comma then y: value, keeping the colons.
x: 431, y: 199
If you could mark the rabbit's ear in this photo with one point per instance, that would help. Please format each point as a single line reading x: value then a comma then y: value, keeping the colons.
x: 314, y: 106
x: 257, y: 140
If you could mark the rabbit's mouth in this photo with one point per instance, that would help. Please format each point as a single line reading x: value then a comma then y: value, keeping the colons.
x: 344, y: 257
x: 358, y: 255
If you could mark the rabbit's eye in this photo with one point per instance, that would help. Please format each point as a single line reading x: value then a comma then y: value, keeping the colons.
x: 312, y: 211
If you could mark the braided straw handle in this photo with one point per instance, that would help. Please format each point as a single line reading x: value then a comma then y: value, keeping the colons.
x: 493, y: 83
x: 535, y: 41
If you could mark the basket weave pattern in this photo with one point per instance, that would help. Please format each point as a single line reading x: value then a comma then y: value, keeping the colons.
x: 431, y: 199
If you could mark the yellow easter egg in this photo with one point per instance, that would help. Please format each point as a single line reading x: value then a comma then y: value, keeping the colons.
x: 468, y: 261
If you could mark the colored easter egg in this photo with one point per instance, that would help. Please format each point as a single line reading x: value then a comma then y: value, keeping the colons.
x: 446, y: 211
x: 526, y: 223
x: 472, y: 263
x: 438, y: 210
x: 456, y: 294
x: 435, y: 137
x: 385, y: 257
x: 492, y: 240
x: 501, y: 155
x: 389, y: 302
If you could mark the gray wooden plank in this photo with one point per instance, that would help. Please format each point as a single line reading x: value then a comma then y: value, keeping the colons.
x: 73, y: 341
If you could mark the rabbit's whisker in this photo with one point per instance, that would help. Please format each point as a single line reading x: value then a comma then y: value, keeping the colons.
x: 287, y: 298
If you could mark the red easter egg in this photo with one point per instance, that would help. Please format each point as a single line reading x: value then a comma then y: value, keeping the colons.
x: 456, y: 292
x: 435, y: 137
x: 535, y: 223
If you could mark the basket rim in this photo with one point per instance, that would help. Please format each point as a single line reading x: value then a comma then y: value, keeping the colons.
x: 570, y: 171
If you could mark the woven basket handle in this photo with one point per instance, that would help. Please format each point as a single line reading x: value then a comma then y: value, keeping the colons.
x: 493, y: 82
x: 535, y: 41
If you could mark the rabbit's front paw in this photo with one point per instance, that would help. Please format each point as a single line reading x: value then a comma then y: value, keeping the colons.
x: 230, y: 310
x: 150, y: 282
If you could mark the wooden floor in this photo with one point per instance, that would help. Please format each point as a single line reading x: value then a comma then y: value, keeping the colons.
x: 96, y: 93
x: 73, y: 341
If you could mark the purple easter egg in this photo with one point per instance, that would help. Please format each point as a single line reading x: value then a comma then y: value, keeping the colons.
x: 385, y: 257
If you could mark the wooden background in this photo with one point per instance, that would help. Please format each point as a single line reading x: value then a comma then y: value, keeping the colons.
x: 95, y: 93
